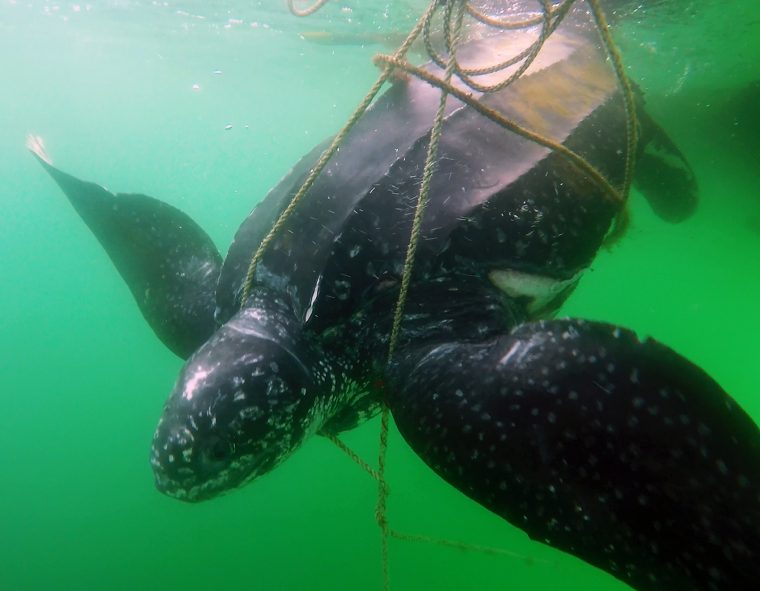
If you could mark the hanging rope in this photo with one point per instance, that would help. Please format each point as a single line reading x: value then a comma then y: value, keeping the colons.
x: 549, y: 19
x: 381, y: 513
x: 466, y: 547
x: 497, y: 117
x: 427, y: 174
x: 354, y: 456
x: 631, y: 124
x: 511, y: 24
x: 551, y: 16
x: 382, y: 495
x: 452, y: 35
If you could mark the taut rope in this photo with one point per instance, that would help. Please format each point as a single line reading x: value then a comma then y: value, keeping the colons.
x: 552, y: 14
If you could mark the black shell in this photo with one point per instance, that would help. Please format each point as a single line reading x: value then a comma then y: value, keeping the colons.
x: 497, y: 200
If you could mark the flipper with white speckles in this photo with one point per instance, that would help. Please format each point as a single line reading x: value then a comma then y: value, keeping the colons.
x: 616, y: 450
x: 169, y: 263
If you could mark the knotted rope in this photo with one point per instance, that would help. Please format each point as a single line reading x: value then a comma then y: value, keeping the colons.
x: 551, y: 15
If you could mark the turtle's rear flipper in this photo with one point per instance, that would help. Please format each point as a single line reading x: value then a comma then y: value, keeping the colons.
x: 169, y: 263
x: 616, y: 450
x: 662, y: 173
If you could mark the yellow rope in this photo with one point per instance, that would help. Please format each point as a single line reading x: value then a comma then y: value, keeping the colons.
x: 627, y: 91
x: 306, y: 11
x: 447, y: 88
x: 631, y: 124
x: 354, y: 456
x: 549, y: 19
x: 397, y: 61
x: 327, y: 154
x: 465, y: 546
x: 381, y: 508
x: 382, y: 496
x: 427, y: 176
x: 510, y: 24
x: 526, y: 56
x: 494, y: 115
x: 453, y: 36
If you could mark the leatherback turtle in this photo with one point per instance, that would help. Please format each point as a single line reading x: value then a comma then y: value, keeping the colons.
x: 591, y: 440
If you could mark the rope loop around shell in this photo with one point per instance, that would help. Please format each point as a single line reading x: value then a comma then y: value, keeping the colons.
x: 550, y: 15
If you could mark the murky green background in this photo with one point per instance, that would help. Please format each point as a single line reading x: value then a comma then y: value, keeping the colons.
x: 109, y: 85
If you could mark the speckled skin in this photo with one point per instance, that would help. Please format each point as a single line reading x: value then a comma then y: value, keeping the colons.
x: 613, y: 449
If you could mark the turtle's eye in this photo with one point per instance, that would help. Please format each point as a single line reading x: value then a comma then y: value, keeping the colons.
x: 220, y: 449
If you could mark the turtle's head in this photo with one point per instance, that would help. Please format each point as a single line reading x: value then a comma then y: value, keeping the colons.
x: 243, y: 402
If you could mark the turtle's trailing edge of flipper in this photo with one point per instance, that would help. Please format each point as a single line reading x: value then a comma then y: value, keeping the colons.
x: 169, y: 263
x: 611, y: 448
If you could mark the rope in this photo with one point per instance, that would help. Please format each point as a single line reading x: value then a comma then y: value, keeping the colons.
x: 381, y: 507
x: 550, y: 17
x: 631, y: 124
x: 466, y: 547
x: 382, y: 497
x: 427, y: 175
x: 306, y: 11
x: 528, y: 55
x: 354, y: 456
x: 497, y: 117
x: 452, y: 36
x: 328, y: 153
x: 549, y: 20
x: 509, y: 24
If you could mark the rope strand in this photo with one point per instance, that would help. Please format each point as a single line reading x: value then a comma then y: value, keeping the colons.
x: 549, y: 19
x: 309, y: 10
x: 354, y: 456
x: 382, y: 497
x: 327, y: 154
x: 427, y: 175
x: 466, y: 547
x: 631, y: 124
x: 494, y: 115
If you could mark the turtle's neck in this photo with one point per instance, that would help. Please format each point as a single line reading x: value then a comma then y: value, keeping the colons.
x: 444, y: 310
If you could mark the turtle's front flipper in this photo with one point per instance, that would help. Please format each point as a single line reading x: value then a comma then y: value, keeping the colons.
x: 662, y: 173
x: 616, y: 450
x: 169, y: 263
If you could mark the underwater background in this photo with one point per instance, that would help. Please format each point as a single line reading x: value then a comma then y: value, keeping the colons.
x: 206, y: 105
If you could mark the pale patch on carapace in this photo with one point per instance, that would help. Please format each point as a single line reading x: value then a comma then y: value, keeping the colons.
x: 539, y: 289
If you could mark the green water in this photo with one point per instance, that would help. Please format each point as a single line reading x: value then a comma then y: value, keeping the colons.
x: 110, y: 88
